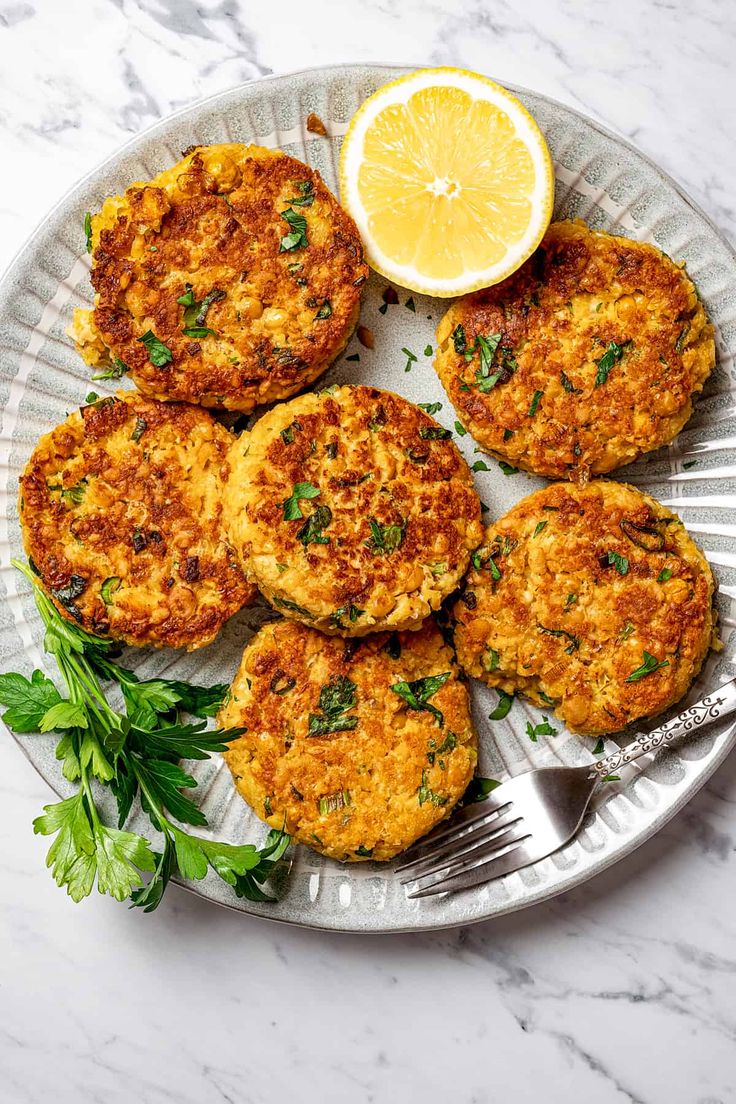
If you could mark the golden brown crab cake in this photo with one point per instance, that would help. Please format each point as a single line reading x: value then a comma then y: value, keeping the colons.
x: 231, y: 279
x: 121, y: 512
x: 584, y: 359
x: 591, y: 600
x: 356, y: 748
x: 352, y: 510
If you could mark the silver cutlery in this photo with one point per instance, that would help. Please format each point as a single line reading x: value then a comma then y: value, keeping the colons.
x: 534, y: 814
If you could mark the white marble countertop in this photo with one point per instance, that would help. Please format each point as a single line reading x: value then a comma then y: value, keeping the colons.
x: 620, y: 991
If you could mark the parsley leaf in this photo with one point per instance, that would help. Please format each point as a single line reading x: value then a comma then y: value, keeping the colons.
x: 417, y: 693
x: 335, y: 699
x: 478, y: 790
x: 434, y: 433
x: 648, y: 667
x: 385, y: 538
x: 88, y: 231
x: 311, y: 531
x: 306, y: 194
x: 116, y: 370
x: 431, y: 408
x: 292, y: 509
x: 610, y: 358
x: 459, y: 340
x: 621, y: 563
x: 543, y: 729
x: 534, y: 404
x: 424, y: 793
x: 505, y: 701
x: 158, y: 353
x: 297, y: 239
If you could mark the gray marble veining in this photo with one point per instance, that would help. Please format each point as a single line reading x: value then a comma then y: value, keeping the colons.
x: 620, y: 991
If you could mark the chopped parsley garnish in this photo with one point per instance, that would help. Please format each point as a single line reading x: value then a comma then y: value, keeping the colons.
x: 141, y: 425
x: 543, y: 729
x: 664, y: 575
x: 534, y: 404
x: 621, y: 563
x: 424, y: 793
x: 416, y: 694
x: 91, y: 397
x: 311, y: 531
x: 478, y: 790
x: 116, y: 371
x: 325, y: 311
x: 108, y: 588
x: 428, y: 350
x: 505, y: 701
x: 158, y: 353
x: 335, y: 700
x: 75, y: 494
x: 410, y: 359
x: 195, y: 311
x: 507, y: 469
x: 539, y: 527
x: 611, y: 357
x: 490, y: 660
x: 459, y: 340
x: 333, y: 802
x: 648, y: 667
x: 600, y: 747
x: 88, y: 231
x: 434, y: 433
x: 574, y: 640
x: 351, y: 612
x: 689, y: 464
x: 306, y: 194
x: 292, y: 509
x: 626, y: 631
x: 682, y: 336
x: 431, y: 408
x: 480, y: 465
x: 460, y: 429
x: 297, y: 238
x: 285, y: 603
x: 568, y: 385
x: 364, y: 852
x: 385, y: 538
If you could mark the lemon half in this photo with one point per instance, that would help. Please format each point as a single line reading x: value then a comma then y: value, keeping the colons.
x: 449, y: 180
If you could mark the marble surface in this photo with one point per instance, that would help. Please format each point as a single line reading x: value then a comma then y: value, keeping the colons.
x: 620, y: 991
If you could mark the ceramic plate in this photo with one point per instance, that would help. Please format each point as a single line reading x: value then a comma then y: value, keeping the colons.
x: 600, y: 179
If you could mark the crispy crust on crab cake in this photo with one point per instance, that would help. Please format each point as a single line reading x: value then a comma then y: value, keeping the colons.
x: 231, y: 279
x: 336, y: 756
x: 352, y: 510
x: 572, y: 591
x: 121, y: 513
x: 583, y: 360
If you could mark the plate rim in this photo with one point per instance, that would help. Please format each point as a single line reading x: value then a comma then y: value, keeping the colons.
x: 728, y: 739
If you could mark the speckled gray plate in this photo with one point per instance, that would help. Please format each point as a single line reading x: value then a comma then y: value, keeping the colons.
x: 599, y: 178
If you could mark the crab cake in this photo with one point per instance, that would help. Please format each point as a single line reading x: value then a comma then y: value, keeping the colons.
x: 120, y: 508
x: 592, y: 600
x: 352, y: 510
x: 231, y: 279
x: 584, y: 359
x: 355, y: 748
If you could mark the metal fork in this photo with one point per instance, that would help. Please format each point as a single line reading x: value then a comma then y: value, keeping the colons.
x: 535, y: 813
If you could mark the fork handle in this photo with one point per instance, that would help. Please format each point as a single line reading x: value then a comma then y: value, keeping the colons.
x: 717, y: 704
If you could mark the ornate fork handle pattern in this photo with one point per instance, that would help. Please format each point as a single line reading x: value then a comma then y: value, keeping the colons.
x: 717, y: 704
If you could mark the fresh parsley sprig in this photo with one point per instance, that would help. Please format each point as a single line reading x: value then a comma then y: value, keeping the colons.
x: 137, y: 754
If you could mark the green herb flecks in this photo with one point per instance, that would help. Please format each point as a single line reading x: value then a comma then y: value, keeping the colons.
x: 88, y: 231
x: 664, y: 575
x: 460, y: 429
x: 292, y: 509
x: 305, y: 198
x: 424, y: 793
x: 312, y: 530
x: 416, y: 694
x: 297, y: 237
x: 534, y: 404
x: 574, y: 640
x: 600, y: 747
x: 507, y: 469
x: 434, y: 433
x: 108, y: 588
x: 287, y: 604
x: 430, y: 408
x: 349, y: 612
x: 543, y: 729
x: 385, y: 538
x: 158, y: 353
x: 611, y: 357
x: 335, y: 701
x: 459, y: 340
x: 140, y: 427
x: 478, y: 790
x: 505, y: 701
x: 568, y: 385
x: 116, y: 370
x: 410, y: 359
x: 621, y: 563
x: 538, y: 529
x: 649, y: 666
x: 325, y: 311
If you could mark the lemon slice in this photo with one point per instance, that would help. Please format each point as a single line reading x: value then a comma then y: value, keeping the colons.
x: 449, y: 180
